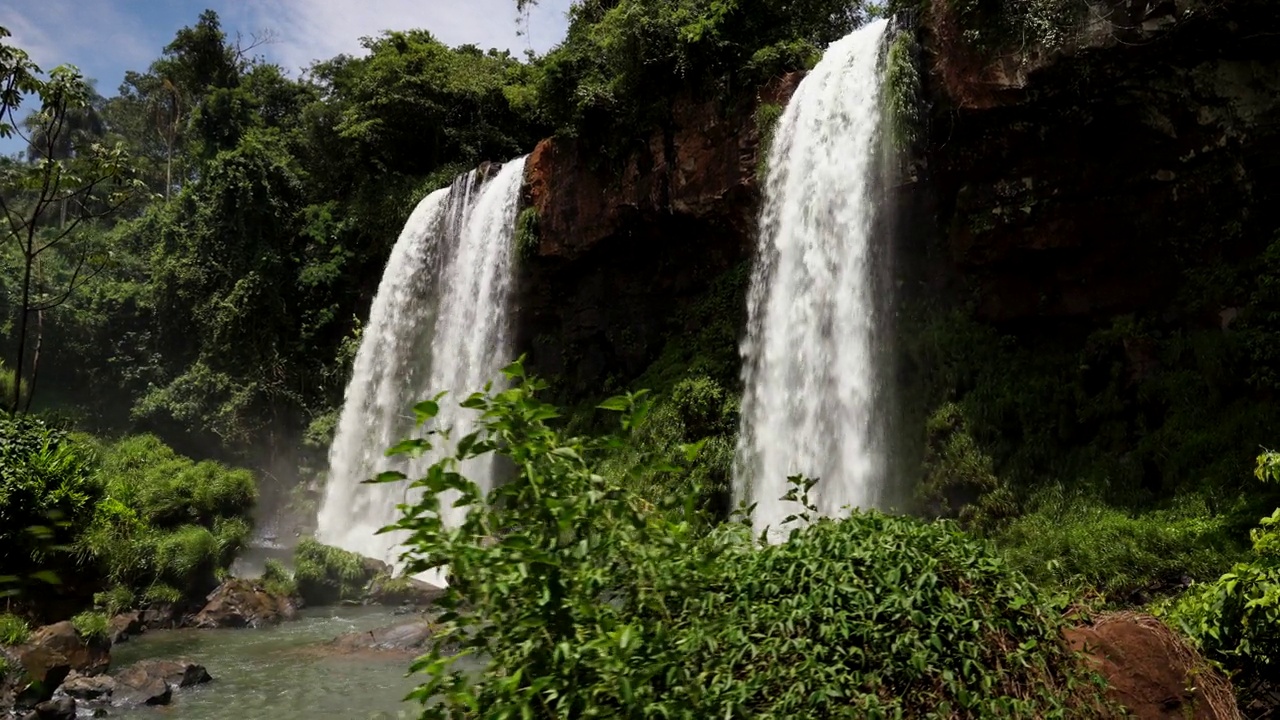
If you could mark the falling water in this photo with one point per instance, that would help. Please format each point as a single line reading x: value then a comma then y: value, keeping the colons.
x: 811, y: 381
x: 438, y: 323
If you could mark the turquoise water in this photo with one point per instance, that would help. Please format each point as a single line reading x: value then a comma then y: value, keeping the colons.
x: 280, y: 673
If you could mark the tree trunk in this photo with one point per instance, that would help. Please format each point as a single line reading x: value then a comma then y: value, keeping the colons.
x: 35, y: 360
x: 23, y: 311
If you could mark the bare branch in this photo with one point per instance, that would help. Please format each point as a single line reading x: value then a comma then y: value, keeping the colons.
x: 258, y: 39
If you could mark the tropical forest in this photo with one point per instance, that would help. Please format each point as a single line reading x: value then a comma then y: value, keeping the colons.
x: 712, y: 359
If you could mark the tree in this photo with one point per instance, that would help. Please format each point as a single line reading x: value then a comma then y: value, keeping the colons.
x: 69, y: 174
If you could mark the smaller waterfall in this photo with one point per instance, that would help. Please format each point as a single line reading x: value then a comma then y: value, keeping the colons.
x: 438, y: 323
x: 812, y: 384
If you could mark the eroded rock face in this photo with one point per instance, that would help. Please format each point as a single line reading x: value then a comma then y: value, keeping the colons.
x: 1087, y: 182
x: 620, y: 246
x: 1151, y: 671
x: 241, y: 603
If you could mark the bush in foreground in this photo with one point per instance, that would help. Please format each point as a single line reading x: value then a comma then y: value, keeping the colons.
x: 1236, y: 620
x: 586, y: 601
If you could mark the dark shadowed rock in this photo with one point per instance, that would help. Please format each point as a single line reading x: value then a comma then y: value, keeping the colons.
x: 60, y: 709
x: 241, y: 603
x: 161, y: 616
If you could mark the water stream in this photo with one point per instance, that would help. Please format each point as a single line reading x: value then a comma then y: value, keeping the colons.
x: 812, y: 385
x: 279, y: 673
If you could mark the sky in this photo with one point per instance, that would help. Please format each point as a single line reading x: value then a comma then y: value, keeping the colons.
x: 104, y: 38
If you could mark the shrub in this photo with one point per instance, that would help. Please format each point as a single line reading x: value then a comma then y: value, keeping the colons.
x: 115, y: 600
x: 165, y: 519
x: 327, y: 575
x: 161, y: 594
x: 1236, y: 619
x: 13, y: 630
x: 278, y: 580
x: 46, y: 491
x: 91, y: 625
x: 582, y: 600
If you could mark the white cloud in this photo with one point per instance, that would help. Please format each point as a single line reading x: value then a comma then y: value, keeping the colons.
x: 310, y: 30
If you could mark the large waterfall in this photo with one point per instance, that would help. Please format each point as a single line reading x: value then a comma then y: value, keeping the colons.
x: 438, y: 323
x: 812, y: 386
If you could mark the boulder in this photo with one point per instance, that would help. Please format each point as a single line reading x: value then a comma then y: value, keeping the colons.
x: 148, y: 682
x: 60, y: 709
x: 124, y: 626
x: 1151, y: 670
x: 135, y: 685
x: 241, y: 603
x: 53, y: 651
x: 161, y: 616
x: 385, y: 590
x: 88, y: 688
x: 410, y: 638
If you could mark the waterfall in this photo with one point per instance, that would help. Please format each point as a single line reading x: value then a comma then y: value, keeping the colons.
x: 438, y: 323
x: 812, y: 386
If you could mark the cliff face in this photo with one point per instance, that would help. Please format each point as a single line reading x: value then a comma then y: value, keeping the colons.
x: 1085, y: 182
x: 619, y: 248
x: 1074, y: 184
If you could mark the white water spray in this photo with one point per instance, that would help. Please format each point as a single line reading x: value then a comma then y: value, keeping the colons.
x: 438, y: 323
x: 810, y: 376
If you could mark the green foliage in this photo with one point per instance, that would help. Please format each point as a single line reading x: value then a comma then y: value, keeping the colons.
x: 46, y: 492
x: 1072, y: 540
x: 614, y: 78
x: 1128, y: 415
x: 1236, y: 619
x: 903, y: 96
x: 278, y: 580
x: 695, y: 399
x: 767, y: 117
x: 91, y: 625
x: 161, y: 594
x: 527, y: 237
x: 115, y: 600
x: 581, y: 599
x: 1024, y: 25
x: 163, y: 521
x: 326, y: 575
x: 13, y: 630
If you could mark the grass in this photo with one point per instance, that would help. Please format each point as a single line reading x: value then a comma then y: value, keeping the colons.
x: 91, y: 625
x: 326, y: 574
x: 278, y: 580
x: 13, y: 630
x: 1073, y: 540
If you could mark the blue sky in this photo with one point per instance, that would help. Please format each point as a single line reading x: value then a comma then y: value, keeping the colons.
x: 104, y: 38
